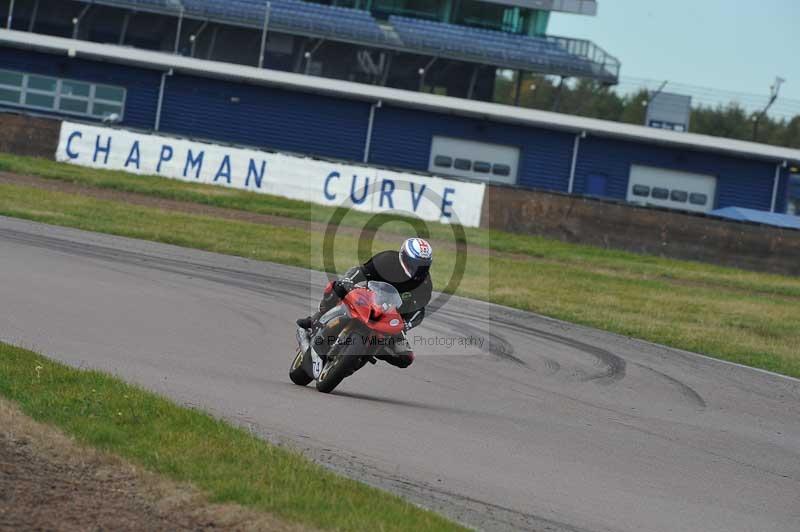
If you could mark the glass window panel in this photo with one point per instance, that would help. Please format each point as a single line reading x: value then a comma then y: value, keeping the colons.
x: 41, y: 83
x: 680, y: 196
x: 75, y: 88
x: 10, y: 78
x: 411, y: 8
x: 104, y: 92
x: 443, y: 161
x: 501, y: 169
x: 463, y: 164
x: 482, y: 167
x: 489, y: 15
x: 39, y: 100
x: 660, y: 193
x: 698, y: 199
x: 104, y: 109
x: 641, y: 190
x: 71, y: 105
x: 9, y: 96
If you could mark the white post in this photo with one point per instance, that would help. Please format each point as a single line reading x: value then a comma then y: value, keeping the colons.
x: 775, y: 186
x: 370, y: 125
x: 574, y: 164
x: 264, y: 31
x: 157, y: 126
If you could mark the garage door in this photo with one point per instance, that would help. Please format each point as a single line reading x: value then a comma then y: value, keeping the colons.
x: 474, y: 160
x: 649, y: 185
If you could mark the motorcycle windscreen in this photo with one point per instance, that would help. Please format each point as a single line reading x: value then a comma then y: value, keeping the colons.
x: 386, y: 295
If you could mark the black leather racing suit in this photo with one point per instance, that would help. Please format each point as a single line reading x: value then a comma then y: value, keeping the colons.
x: 415, y: 292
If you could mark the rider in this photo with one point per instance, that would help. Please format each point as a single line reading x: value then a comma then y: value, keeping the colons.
x: 408, y: 272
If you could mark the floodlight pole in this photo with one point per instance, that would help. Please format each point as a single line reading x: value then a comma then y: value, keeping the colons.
x: 10, y: 15
x: 774, y: 92
x: 264, y: 32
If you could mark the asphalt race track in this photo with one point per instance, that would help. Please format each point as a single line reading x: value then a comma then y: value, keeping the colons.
x: 549, y: 426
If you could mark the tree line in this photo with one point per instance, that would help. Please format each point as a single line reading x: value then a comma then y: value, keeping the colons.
x: 592, y: 99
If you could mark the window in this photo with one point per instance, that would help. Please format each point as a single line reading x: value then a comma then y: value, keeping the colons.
x: 490, y: 15
x: 501, y: 170
x: 443, y: 161
x: 641, y: 190
x: 73, y: 88
x: 679, y: 195
x: 698, y: 199
x: 482, y: 167
x: 44, y: 101
x: 660, y: 193
x: 10, y: 78
x: 62, y: 95
x: 41, y: 83
x: 9, y: 96
x: 463, y: 164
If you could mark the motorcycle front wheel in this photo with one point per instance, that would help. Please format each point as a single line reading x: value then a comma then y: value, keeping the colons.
x: 339, y: 366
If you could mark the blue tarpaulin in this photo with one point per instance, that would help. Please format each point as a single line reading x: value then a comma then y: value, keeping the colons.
x: 759, y: 217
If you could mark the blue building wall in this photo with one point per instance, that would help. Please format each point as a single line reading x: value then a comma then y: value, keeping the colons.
x: 142, y: 85
x: 263, y: 116
x: 332, y: 127
x: 402, y: 138
x: 740, y: 182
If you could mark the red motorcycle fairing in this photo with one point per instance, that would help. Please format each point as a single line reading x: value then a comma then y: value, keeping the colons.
x: 361, y: 303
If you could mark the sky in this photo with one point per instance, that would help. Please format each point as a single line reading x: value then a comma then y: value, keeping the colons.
x: 732, y: 45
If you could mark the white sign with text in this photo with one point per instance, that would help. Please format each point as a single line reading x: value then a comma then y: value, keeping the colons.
x: 301, y: 178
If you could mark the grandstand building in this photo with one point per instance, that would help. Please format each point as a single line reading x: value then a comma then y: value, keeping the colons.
x: 453, y: 47
x: 194, y: 69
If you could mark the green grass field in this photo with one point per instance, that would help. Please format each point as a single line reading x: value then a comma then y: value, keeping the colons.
x: 228, y: 464
x: 741, y: 316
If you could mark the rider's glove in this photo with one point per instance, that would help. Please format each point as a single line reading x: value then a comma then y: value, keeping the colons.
x: 342, y: 287
x: 414, y: 320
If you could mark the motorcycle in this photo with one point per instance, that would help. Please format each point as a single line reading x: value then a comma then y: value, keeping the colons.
x: 348, y: 336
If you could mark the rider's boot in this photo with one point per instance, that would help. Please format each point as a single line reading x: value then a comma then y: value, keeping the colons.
x: 329, y: 300
x: 309, y: 322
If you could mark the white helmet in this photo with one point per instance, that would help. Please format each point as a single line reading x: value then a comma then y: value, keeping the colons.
x: 416, y: 257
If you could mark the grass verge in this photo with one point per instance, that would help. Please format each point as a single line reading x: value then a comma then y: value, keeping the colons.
x: 228, y: 464
x: 742, y: 316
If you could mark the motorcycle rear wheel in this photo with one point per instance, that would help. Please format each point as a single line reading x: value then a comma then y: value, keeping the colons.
x: 338, y: 367
x: 297, y: 373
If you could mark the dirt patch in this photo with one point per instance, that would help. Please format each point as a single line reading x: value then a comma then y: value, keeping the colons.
x: 49, y: 482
